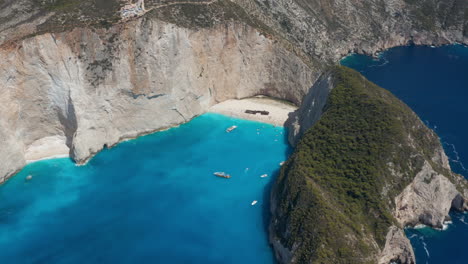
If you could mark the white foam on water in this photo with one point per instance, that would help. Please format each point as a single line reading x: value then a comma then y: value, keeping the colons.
x: 462, y: 219
x: 419, y: 226
x: 446, y: 224
x: 380, y: 58
x: 425, y: 247
x: 457, y: 156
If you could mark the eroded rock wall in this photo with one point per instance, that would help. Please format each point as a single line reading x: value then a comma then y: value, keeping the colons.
x: 94, y: 88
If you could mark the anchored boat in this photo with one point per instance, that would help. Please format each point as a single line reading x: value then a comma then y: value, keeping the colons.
x: 222, y: 175
x: 231, y: 129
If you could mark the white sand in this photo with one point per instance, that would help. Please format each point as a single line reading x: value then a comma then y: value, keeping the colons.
x: 55, y: 146
x: 47, y: 148
x: 278, y: 111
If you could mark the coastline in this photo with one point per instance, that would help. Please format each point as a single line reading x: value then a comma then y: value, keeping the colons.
x: 54, y: 147
x: 59, y: 156
x: 47, y: 148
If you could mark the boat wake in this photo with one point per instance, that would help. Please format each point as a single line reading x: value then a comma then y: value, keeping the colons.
x: 456, y: 155
x: 425, y: 248
x: 380, y: 57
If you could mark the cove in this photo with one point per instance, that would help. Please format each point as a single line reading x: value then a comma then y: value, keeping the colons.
x: 434, y: 83
x: 149, y: 200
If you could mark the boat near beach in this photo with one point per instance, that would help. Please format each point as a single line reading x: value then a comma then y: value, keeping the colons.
x: 263, y: 175
x: 231, y: 129
x: 222, y: 175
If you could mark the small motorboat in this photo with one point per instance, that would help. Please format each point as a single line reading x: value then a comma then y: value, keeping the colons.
x: 29, y: 177
x: 231, y: 129
x: 222, y: 175
x: 281, y: 163
x: 254, y: 202
x: 263, y: 175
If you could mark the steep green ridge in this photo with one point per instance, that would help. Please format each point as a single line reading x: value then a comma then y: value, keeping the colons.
x: 335, y: 194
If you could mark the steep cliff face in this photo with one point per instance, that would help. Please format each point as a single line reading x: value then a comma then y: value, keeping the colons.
x: 327, y: 30
x: 75, y: 75
x: 76, y: 78
x: 360, y: 173
x: 88, y: 89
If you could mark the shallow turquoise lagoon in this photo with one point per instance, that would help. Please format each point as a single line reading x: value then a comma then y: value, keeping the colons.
x: 150, y: 200
x: 434, y: 83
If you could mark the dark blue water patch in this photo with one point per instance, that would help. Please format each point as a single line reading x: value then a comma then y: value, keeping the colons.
x: 150, y: 200
x: 441, y: 246
x: 434, y: 83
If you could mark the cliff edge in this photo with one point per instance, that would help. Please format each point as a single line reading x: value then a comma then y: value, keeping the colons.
x: 85, y: 75
x: 365, y: 167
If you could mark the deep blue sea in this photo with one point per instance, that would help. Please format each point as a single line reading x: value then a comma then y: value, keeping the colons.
x: 149, y: 200
x: 434, y: 83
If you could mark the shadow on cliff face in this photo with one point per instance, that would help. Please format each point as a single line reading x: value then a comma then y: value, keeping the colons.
x: 69, y: 123
x: 266, y: 212
x: 289, y: 127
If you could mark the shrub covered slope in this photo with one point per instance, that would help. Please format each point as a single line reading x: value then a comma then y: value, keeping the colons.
x: 334, y: 198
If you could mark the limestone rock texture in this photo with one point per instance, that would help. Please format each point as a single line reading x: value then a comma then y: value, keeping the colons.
x: 329, y: 30
x: 397, y: 249
x: 75, y: 78
x: 71, y: 69
x: 97, y: 87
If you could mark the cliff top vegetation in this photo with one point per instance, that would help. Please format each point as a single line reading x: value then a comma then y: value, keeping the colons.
x: 336, y: 192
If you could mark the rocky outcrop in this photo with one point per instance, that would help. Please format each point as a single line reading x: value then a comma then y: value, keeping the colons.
x: 73, y: 75
x: 72, y: 70
x: 397, y: 248
x: 364, y: 168
x: 311, y: 108
x: 427, y: 200
x: 328, y: 30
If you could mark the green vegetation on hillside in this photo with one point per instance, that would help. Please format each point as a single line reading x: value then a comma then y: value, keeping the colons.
x: 335, y: 194
x: 69, y: 14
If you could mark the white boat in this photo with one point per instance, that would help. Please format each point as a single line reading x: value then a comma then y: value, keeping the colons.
x: 29, y: 177
x: 222, y: 175
x: 264, y: 175
x: 281, y: 163
x: 254, y: 202
x: 231, y: 129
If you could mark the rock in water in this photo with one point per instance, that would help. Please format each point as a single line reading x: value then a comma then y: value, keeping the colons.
x: 364, y: 167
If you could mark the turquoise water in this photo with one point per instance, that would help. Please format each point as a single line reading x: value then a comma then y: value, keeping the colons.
x: 150, y: 200
x: 434, y: 83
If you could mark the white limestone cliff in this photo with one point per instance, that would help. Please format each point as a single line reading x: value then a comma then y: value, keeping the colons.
x: 95, y: 88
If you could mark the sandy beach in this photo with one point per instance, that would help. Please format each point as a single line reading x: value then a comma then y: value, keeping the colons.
x: 278, y: 110
x: 47, y: 148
